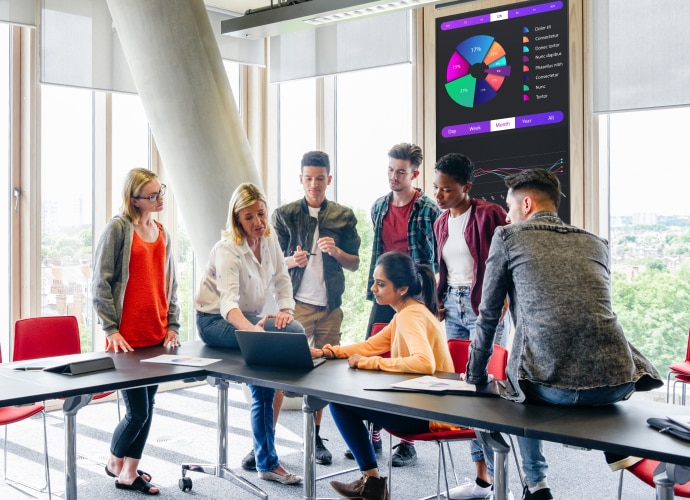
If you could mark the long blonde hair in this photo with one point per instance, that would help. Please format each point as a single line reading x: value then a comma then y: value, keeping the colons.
x: 134, y: 181
x: 245, y: 195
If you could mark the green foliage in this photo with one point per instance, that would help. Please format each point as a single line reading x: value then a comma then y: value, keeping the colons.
x: 653, y: 310
x: 657, y: 265
x: 86, y: 338
x: 85, y: 237
x: 356, y: 307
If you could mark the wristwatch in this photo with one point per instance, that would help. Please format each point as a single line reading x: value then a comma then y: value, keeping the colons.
x: 289, y: 311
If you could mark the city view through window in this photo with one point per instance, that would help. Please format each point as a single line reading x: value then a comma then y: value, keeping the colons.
x: 650, y: 230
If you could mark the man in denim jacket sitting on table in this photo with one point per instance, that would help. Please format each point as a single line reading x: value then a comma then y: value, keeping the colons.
x: 568, y: 347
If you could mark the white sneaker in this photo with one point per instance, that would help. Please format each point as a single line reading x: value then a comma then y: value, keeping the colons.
x: 468, y: 491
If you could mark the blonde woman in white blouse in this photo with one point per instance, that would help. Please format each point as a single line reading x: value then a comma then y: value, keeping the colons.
x: 243, y: 266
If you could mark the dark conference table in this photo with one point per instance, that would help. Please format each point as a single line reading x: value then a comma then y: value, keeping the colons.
x: 620, y: 428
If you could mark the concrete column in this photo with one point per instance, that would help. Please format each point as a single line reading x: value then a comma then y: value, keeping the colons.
x: 179, y: 74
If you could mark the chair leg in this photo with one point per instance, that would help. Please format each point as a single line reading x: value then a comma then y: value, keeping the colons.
x: 390, y: 463
x: 668, y: 387
x: 45, y: 453
x: 5, y: 454
x: 46, y: 462
x: 517, y: 462
x: 452, y: 464
x: 620, y: 486
x: 119, y: 416
x: 442, y: 461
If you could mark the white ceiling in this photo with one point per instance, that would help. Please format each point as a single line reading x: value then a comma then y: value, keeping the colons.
x: 238, y: 5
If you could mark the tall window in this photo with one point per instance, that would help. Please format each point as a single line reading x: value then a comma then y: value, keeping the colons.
x: 66, y: 204
x: 371, y: 111
x: 374, y: 112
x: 650, y: 228
x: 298, y: 134
x: 130, y: 142
x: 6, y: 201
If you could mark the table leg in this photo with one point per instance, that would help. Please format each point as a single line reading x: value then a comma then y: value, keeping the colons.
x: 310, y: 406
x: 70, y: 408
x: 220, y: 469
x: 501, y: 449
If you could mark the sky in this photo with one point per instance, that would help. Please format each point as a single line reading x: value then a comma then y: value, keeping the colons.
x: 650, y: 167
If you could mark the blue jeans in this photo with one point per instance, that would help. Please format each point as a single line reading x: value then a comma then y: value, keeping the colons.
x: 129, y: 437
x: 349, y: 421
x: 460, y: 317
x: 533, y: 461
x: 215, y: 331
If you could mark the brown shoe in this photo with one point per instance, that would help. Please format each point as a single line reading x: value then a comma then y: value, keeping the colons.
x: 366, y: 488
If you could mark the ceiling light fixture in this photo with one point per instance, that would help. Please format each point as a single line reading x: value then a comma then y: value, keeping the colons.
x: 377, y: 9
x: 310, y: 14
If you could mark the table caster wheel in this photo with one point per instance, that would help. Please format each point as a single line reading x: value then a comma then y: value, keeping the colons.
x: 185, y: 483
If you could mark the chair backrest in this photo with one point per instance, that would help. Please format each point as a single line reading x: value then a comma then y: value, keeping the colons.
x: 459, y: 351
x: 376, y: 328
x: 45, y: 336
x: 687, y: 349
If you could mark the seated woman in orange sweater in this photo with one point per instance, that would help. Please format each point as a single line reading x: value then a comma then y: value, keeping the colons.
x: 417, y: 344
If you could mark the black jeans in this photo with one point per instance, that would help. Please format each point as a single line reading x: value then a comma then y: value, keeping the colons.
x: 130, y: 435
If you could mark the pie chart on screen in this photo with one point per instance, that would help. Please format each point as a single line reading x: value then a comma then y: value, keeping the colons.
x: 476, y: 71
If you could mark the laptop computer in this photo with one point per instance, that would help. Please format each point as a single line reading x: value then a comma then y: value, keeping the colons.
x: 276, y: 350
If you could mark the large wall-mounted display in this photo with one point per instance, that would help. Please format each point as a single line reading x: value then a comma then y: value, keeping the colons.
x: 502, y: 93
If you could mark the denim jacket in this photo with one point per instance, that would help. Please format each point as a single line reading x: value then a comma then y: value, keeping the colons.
x: 566, y: 334
x: 295, y: 226
x: 421, y: 244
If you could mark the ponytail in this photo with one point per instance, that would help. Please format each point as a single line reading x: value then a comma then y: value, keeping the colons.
x: 427, y: 283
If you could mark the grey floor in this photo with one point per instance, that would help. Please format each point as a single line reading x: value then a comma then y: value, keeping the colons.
x: 184, y: 430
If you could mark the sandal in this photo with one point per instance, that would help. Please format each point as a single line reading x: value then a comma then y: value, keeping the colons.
x: 139, y: 471
x: 139, y: 484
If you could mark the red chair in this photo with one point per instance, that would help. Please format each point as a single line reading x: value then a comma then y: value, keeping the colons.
x: 47, y: 336
x: 376, y: 328
x: 645, y: 470
x: 12, y: 414
x: 681, y: 372
x: 459, y: 351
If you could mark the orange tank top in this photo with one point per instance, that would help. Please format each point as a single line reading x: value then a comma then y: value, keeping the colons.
x: 144, y: 319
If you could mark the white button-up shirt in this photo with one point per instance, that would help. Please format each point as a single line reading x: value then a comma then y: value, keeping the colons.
x: 235, y: 279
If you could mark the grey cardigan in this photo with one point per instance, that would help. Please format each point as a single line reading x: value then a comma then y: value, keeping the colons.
x: 111, y: 274
x: 567, y: 336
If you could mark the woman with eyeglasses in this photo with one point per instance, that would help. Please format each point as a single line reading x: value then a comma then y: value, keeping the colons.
x: 243, y: 267
x: 134, y: 294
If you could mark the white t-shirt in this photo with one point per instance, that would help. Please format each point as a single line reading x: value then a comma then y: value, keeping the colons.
x: 312, y: 288
x: 455, y: 252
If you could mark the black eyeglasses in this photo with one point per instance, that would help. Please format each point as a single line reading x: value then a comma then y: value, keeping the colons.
x: 153, y: 196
